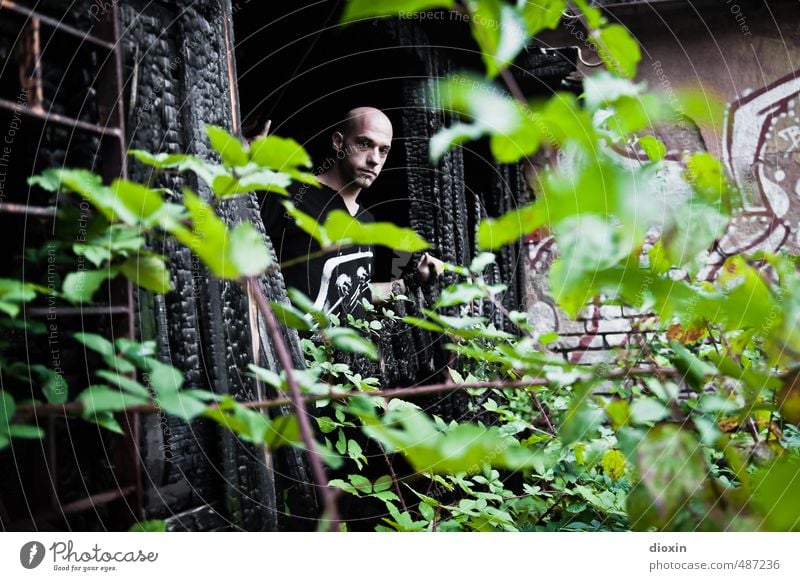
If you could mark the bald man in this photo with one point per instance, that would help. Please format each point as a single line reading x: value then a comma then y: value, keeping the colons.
x: 338, y: 281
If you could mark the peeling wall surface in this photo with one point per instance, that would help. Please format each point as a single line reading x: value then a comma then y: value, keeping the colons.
x: 747, y: 54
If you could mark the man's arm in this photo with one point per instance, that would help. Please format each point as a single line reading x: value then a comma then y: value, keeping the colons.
x: 428, y: 268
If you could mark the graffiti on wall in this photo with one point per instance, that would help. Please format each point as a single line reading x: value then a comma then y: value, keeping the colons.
x: 761, y: 152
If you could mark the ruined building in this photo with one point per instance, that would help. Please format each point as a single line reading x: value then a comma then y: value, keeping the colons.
x: 81, y: 85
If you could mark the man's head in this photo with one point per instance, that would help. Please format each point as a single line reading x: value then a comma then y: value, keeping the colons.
x: 362, y: 145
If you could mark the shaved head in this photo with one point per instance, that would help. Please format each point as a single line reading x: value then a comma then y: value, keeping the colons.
x: 365, y: 119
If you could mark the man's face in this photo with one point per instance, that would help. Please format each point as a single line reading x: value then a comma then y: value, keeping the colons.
x: 365, y: 145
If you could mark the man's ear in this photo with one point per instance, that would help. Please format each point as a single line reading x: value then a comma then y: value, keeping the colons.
x: 337, y: 139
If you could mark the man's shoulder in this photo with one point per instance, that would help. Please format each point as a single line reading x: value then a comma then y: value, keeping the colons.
x: 305, y: 196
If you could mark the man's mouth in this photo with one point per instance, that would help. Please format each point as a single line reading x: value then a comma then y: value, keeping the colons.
x: 369, y: 173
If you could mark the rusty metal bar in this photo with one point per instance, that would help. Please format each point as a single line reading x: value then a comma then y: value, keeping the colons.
x: 61, y: 120
x: 52, y: 461
x: 84, y: 504
x: 78, y: 311
x: 55, y: 24
x: 46, y: 211
x: 109, y: 123
x: 30, y: 66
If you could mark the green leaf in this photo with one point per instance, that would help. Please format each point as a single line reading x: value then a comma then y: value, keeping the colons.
x: 106, y: 420
x: 594, y: 18
x: 209, y: 237
x: 692, y: 369
x: 582, y: 418
x: 267, y: 376
x: 96, y: 343
x: 459, y: 294
x: 522, y: 141
x: 250, y: 425
x: 284, y: 431
x: 99, y: 398
x: 349, y: 340
x: 482, y: 104
x: 27, y: 432
x: 13, y: 292
x: 691, y: 230
x: 613, y: 463
x: 354, y: 452
x: 342, y: 228
x: 480, y: 262
x: 126, y: 383
x: 165, y: 378
x: 158, y: 160
x: 618, y: 49
x: 776, y: 495
x: 148, y: 272
x: 288, y: 316
x: 707, y: 176
x: 654, y: 148
x: 80, y: 286
x: 541, y: 14
x: 604, y: 88
x: 181, y: 405
x: 648, y: 410
x: 229, y: 147
x: 382, y: 483
x: 146, y: 204
x: 54, y: 386
x: 463, y: 448
x: 495, y: 233
x: 307, y: 224
x: 7, y: 410
x: 500, y: 31
x: 703, y: 107
x: 149, y: 526
x: 342, y: 485
x: 637, y: 114
x: 360, y: 9
x: 423, y: 324
x: 247, y: 250
x: 226, y: 186
x: 361, y: 483
x: 89, y: 186
x: 279, y: 153
x: 445, y: 139
x: 672, y: 471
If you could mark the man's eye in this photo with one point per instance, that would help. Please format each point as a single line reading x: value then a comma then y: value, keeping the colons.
x: 384, y: 152
x: 363, y: 145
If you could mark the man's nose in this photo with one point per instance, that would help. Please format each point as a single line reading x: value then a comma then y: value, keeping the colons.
x: 373, y: 157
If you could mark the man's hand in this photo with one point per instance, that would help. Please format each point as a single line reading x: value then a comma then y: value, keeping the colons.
x: 428, y: 268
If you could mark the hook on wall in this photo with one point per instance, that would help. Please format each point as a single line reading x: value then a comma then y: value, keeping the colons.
x: 584, y: 62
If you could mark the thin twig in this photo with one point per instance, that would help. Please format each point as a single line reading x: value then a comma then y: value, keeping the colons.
x: 306, y: 433
x: 393, y: 475
x: 544, y: 414
x: 404, y: 392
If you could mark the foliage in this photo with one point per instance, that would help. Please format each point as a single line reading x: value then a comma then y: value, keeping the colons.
x: 694, y: 430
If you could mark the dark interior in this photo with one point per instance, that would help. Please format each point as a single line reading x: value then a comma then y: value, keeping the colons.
x: 303, y: 71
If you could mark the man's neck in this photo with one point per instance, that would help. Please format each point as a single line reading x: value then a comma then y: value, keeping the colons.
x: 348, y: 191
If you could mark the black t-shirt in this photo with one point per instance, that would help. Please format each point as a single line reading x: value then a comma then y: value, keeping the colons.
x: 336, y: 281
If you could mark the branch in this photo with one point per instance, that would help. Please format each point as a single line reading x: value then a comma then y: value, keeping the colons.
x: 307, y: 434
x: 404, y: 392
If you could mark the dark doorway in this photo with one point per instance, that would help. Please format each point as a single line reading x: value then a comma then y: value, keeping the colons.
x: 302, y: 70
